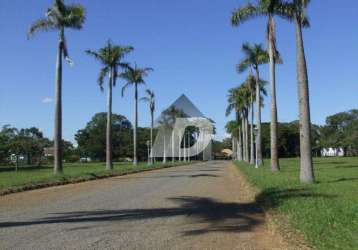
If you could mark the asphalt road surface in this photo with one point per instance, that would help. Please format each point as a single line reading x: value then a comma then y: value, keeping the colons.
x: 198, y: 206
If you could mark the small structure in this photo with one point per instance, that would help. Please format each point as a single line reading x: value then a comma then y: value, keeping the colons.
x: 48, y: 152
x: 326, y: 152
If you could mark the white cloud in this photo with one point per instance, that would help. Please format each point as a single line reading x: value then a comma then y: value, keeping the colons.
x: 47, y: 100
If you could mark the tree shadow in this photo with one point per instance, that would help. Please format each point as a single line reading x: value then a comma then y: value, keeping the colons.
x: 210, y: 214
x: 274, y: 197
x: 205, y: 214
x: 24, y: 168
x: 343, y: 179
x: 170, y: 176
x: 331, y: 162
x: 347, y: 166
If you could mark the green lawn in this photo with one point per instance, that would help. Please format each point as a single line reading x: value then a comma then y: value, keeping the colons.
x: 325, y: 212
x: 32, y: 176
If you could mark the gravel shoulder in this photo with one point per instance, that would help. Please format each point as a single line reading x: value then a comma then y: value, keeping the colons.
x: 200, y: 206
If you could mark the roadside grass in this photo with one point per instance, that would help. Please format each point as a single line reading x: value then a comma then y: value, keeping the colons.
x: 35, y: 177
x: 325, y: 212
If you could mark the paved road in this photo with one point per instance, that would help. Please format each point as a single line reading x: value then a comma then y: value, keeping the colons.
x: 190, y: 207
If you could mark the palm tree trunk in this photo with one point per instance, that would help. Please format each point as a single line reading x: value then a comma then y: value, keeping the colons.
x: 306, y: 169
x: 233, y: 148
x: 58, y: 111
x: 252, y: 154
x: 151, y: 135
x: 258, y: 119
x: 109, y: 163
x: 273, y: 128
x: 246, y: 136
x: 239, y: 146
x: 135, y: 161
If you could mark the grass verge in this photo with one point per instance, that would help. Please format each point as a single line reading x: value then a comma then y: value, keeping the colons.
x: 326, y: 212
x: 28, y: 178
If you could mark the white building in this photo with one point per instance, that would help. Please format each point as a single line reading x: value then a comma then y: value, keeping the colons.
x: 332, y: 152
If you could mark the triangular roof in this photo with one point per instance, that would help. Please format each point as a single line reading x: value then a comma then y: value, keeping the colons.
x: 186, y: 106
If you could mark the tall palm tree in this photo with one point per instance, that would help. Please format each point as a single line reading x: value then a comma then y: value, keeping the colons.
x: 243, y: 104
x: 58, y: 17
x: 232, y: 128
x: 255, y: 55
x: 233, y: 105
x: 296, y: 11
x: 251, y: 85
x: 268, y: 8
x: 110, y: 57
x: 134, y: 76
x: 150, y: 98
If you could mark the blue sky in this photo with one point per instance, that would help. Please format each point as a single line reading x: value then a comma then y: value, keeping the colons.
x: 192, y: 48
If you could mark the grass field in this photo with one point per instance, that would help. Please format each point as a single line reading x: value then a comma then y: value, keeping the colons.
x: 325, y: 212
x: 36, y: 176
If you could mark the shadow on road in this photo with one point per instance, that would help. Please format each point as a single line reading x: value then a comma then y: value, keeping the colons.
x: 210, y: 214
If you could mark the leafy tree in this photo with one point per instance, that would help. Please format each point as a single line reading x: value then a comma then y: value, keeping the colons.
x: 134, y: 76
x: 341, y: 131
x: 268, y: 8
x: 92, y: 139
x: 110, y: 57
x: 58, y: 17
x: 7, y: 134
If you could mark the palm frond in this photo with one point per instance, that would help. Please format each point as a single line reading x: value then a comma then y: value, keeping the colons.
x: 75, y: 16
x: 124, y: 88
x: 95, y: 54
x: 245, y: 13
x: 243, y: 65
x: 102, y: 74
x: 40, y: 25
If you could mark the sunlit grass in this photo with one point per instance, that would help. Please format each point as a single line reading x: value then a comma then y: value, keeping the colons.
x: 325, y: 212
x: 37, y: 175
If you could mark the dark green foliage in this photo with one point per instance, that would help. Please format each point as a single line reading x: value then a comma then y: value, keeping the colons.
x: 92, y: 139
x: 341, y: 131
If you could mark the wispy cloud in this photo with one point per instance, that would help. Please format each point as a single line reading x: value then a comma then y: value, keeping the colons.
x: 47, y: 100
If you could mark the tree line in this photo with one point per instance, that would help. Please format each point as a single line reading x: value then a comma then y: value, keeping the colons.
x: 340, y: 131
x: 31, y: 144
x: 61, y: 17
x: 241, y: 98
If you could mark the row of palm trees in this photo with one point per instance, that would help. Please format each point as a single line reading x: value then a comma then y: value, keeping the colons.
x: 60, y: 17
x: 293, y: 11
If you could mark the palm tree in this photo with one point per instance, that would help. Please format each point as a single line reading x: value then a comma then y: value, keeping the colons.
x: 251, y: 84
x: 243, y: 104
x: 134, y: 76
x: 232, y: 128
x: 255, y: 55
x: 268, y: 8
x: 233, y: 105
x: 150, y: 98
x: 58, y: 17
x: 296, y: 12
x: 110, y: 57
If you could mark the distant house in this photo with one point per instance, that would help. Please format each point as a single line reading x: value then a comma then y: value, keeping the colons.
x: 48, y: 151
x: 326, y: 152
